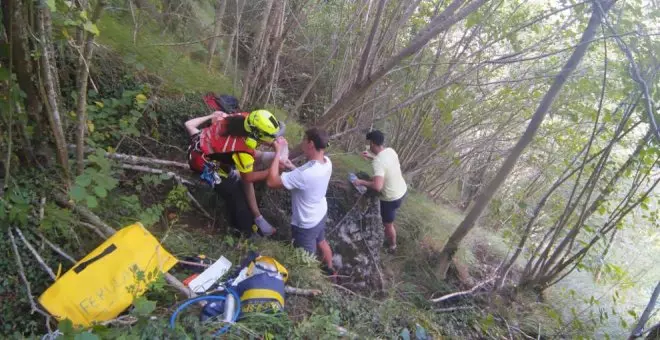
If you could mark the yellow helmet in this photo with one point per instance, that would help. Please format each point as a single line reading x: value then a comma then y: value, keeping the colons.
x: 263, y: 126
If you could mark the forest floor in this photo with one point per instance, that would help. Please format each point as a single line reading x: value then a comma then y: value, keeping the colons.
x: 177, y: 80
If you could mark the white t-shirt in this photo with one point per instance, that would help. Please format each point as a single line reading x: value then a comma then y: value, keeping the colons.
x: 308, y: 185
x: 386, y: 164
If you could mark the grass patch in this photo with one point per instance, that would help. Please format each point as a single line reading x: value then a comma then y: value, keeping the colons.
x: 173, y: 64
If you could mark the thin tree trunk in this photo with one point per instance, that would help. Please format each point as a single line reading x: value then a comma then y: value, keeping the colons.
x: 440, y: 23
x: 370, y: 41
x: 217, y: 30
x: 257, y: 53
x: 484, y: 198
x: 599, y: 272
x: 85, y: 58
x: 52, y: 96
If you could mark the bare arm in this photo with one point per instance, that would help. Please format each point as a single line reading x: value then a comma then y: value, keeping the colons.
x: 274, y: 180
x: 254, y: 176
x: 193, y: 124
x: 375, y: 184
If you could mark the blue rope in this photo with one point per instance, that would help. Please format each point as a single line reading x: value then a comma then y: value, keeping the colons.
x: 189, y: 302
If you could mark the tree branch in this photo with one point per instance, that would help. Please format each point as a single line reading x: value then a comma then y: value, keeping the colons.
x: 36, y: 255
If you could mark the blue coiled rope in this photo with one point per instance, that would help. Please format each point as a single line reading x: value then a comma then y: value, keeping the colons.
x: 189, y: 302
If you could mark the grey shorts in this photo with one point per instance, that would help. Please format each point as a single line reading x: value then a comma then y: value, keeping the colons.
x: 308, y: 238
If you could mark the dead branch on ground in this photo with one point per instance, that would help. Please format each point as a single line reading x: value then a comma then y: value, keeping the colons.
x: 463, y: 293
x: 21, y: 272
x: 84, y: 212
x: 36, y: 254
x: 56, y: 248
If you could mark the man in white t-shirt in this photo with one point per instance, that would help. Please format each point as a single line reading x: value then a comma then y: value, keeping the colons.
x: 387, y: 180
x: 308, y: 185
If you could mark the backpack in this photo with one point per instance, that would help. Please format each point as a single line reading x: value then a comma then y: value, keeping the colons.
x: 223, y: 102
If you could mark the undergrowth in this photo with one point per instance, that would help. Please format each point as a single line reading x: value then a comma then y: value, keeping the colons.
x: 146, y: 92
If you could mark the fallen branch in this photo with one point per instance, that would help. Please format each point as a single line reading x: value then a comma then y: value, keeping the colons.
x: 84, y: 212
x: 170, y: 174
x: 463, y: 293
x: 56, y: 248
x: 21, y: 272
x: 124, y: 320
x: 302, y: 291
x: 145, y: 160
x: 93, y: 228
x: 42, y: 205
x: 174, y: 176
x: 36, y: 255
x: 194, y: 201
x: 452, y: 309
x: 137, y: 159
x: 172, y: 280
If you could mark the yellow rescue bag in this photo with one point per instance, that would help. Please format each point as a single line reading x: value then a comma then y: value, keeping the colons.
x: 105, y: 282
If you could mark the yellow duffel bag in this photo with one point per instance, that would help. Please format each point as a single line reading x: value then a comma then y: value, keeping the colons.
x: 105, y: 282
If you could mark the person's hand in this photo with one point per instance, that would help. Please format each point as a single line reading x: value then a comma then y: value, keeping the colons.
x: 217, y: 115
x: 366, y: 155
x: 358, y: 182
x: 277, y: 144
x: 287, y: 164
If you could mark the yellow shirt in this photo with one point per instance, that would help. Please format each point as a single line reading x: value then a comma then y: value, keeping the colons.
x: 386, y: 164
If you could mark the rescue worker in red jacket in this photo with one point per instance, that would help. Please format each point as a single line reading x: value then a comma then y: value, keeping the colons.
x: 225, y: 155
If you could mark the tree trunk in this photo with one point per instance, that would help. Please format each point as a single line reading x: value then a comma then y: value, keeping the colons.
x: 45, y: 28
x: 370, y: 41
x: 85, y: 58
x: 217, y: 30
x: 440, y: 23
x: 639, y: 328
x: 15, y: 20
x: 257, y: 53
x: 484, y: 198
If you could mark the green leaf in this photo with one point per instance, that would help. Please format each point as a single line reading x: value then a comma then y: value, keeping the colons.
x: 91, y: 28
x: 92, y: 202
x: 78, y: 193
x: 100, y: 191
x: 139, y: 67
x: 86, y: 336
x: 143, y: 307
x: 83, y: 180
x: 51, y: 5
x: 65, y: 326
x: 4, y: 74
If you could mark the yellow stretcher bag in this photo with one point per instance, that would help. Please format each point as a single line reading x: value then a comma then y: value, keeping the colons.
x: 105, y: 282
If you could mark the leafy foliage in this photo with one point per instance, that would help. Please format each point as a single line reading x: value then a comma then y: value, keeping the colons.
x: 95, y: 182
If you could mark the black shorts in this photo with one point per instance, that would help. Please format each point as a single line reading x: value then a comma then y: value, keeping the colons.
x: 388, y: 209
x: 308, y: 238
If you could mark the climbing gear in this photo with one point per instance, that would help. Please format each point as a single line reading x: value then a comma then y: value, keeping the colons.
x: 216, y: 139
x: 260, y: 284
x: 224, y: 103
x: 261, y: 126
x: 210, y: 174
x: 210, y: 275
x: 106, y: 281
x: 231, y: 316
x: 256, y: 286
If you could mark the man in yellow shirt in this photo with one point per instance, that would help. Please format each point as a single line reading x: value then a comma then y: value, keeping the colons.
x: 387, y: 180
